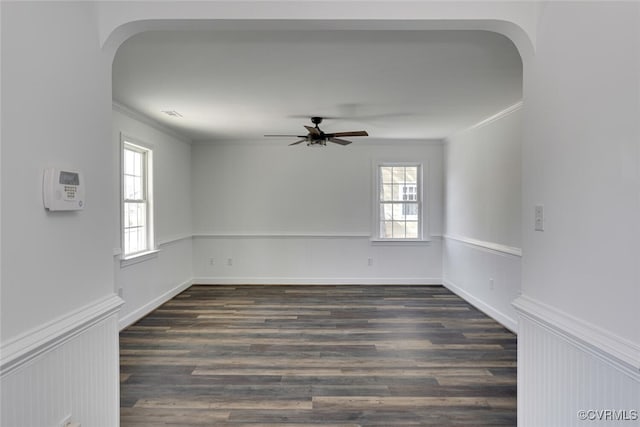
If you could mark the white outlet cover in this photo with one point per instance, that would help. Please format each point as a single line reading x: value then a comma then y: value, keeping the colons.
x: 65, y: 421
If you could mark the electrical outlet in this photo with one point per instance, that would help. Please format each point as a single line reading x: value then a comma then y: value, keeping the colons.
x: 369, y: 262
x: 210, y: 261
x: 65, y: 421
x: 491, y: 283
x: 539, y: 218
x: 229, y: 261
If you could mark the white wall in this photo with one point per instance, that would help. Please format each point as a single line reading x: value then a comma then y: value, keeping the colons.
x: 146, y: 284
x: 482, y: 248
x: 581, y: 160
x: 54, y: 108
x: 300, y: 214
x: 57, y: 267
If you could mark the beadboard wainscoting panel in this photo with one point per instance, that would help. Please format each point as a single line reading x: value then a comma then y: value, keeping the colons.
x: 70, y: 375
x: 566, y: 381
x: 485, y: 274
x: 313, y: 258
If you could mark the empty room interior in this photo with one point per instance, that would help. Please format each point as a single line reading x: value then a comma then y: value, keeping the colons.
x: 342, y: 213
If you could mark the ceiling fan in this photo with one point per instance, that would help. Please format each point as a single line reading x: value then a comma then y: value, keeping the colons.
x: 317, y: 137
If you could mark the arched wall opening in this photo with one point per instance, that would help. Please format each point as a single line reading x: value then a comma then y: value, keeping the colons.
x: 510, y: 30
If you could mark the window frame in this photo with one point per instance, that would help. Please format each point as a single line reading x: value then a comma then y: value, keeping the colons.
x: 421, y: 193
x: 133, y: 144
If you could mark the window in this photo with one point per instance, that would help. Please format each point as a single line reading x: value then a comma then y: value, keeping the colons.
x: 399, y: 201
x: 137, y: 209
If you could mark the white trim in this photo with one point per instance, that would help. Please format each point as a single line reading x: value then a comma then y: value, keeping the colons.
x: 284, y: 235
x: 499, y: 115
x: 492, y: 246
x: 506, y: 321
x: 317, y: 281
x: 138, y: 314
x: 401, y: 242
x: 138, y: 116
x: 138, y: 258
x: 616, y: 351
x: 117, y: 252
x: 174, y: 239
x: 28, y: 346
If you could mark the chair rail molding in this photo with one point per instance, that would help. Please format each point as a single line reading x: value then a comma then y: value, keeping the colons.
x: 28, y: 346
x: 492, y: 246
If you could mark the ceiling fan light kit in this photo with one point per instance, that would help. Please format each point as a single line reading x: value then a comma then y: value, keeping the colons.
x: 316, y: 137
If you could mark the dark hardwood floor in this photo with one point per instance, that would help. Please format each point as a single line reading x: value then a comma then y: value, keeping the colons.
x: 317, y: 356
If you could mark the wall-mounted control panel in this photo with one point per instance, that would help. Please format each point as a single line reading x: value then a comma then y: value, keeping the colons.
x: 63, y: 190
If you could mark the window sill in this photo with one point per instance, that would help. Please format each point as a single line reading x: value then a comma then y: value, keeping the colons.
x: 139, y: 257
x: 400, y: 242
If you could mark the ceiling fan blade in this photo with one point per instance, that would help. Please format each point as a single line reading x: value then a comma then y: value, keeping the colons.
x: 298, y: 142
x: 351, y: 133
x: 297, y: 136
x: 312, y: 130
x: 340, y: 141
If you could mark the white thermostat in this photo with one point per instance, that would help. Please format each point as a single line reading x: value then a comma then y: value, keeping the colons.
x: 63, y: 190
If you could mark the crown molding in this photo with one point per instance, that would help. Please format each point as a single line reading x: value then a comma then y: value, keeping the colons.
x: 497, y: 116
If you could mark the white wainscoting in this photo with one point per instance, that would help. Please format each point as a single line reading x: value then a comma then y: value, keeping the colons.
x: 313, y: 258
x: 566, y: 365
x: 150, y: 283
x: 486, y: 274
x: 68, y: 367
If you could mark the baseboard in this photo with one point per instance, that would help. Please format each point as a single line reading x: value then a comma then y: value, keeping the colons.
x: 497, y: 315
x: 617, y: 352
x: 317, y: 281
x: 26, y: 347
x: 138, y: 314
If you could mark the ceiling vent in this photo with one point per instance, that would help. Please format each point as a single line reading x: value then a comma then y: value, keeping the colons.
x: 172, y: 113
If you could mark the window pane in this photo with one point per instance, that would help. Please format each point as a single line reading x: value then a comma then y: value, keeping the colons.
x: 387, y: 193
x: 133, y: 240
x: 142, y: 215
x: 398, y: 230
x: 411, y: 174
x: 137, y: 164
x: 142, y: 239
x: 137, y: 188
x: 410, y: 211
x: 386, y: 211
x: 398, y: 175
x: 386, y: 229
x: 397, y: 211
x: 128, y: 162
x: 129, y: 216
x: 397, y: 192
x: 385, y: 174
x: 412, y: 229
x: 128, y: 187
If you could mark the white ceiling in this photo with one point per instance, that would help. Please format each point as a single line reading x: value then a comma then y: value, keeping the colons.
x: 240, y: 85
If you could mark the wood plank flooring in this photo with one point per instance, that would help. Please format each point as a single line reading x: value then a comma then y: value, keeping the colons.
x: 301, y: 356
